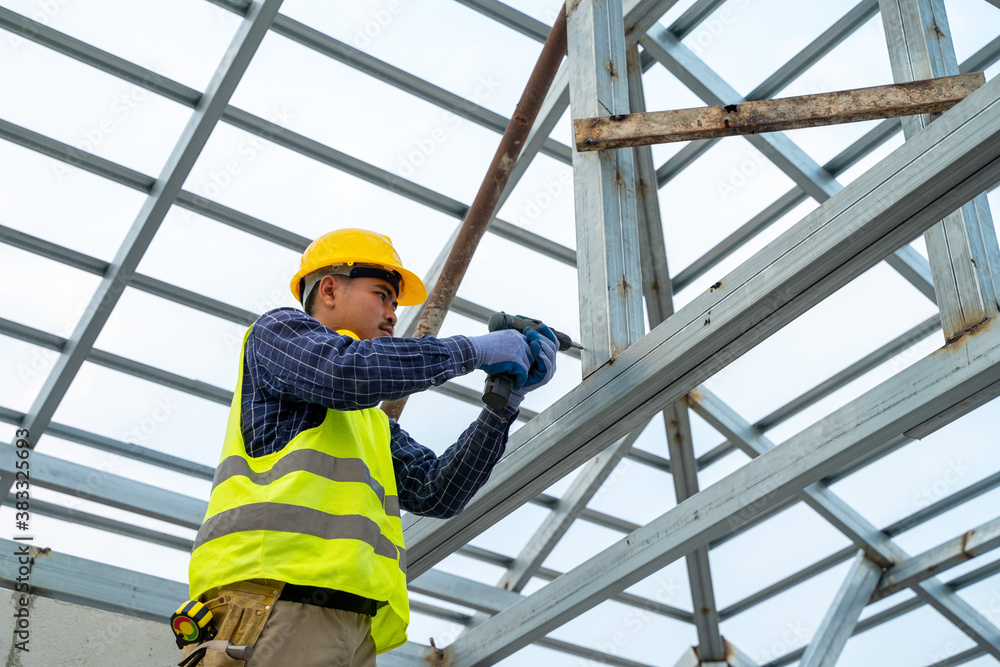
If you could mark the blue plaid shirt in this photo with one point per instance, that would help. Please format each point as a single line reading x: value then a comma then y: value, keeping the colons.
x: 295, y: 368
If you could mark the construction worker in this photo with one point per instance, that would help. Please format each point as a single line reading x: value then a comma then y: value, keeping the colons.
x: 301, y: 553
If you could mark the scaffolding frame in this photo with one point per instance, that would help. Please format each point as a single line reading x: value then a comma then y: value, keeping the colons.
x: 630, y: 376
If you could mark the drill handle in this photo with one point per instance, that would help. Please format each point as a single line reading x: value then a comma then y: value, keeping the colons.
x: 498, y: 389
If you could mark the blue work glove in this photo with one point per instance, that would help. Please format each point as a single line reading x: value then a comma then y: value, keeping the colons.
x: 543, y: 346
x: 504, y: 351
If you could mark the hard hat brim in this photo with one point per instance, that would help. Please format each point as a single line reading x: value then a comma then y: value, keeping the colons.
x: 412, y: 287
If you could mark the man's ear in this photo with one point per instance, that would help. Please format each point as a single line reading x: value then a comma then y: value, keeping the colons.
x: 328, y: 291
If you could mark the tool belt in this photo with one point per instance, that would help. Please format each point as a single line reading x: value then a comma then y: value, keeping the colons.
x: 329, y: 598
x: 239, y: 612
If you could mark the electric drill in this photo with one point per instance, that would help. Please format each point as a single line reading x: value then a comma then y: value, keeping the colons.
x: 499, y: 387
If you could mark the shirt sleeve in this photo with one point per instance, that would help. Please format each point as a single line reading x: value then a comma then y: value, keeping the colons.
x: 441, y: 486
x: 303, y: 360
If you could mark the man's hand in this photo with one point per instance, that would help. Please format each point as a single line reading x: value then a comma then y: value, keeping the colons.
x: 505, y: 351
x: 543, y: 346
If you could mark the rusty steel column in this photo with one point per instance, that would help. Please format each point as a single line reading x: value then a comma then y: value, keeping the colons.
x: 484, y: 205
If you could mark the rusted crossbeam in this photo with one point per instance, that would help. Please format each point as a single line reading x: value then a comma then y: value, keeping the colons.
x: 789, y: 113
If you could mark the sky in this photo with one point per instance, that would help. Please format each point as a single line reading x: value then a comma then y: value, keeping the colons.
x: 470, y: 55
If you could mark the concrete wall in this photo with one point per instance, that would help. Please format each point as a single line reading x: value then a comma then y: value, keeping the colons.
x: 69, y: 635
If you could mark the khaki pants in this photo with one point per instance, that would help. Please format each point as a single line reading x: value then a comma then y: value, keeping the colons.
x: 286, y: 634
x: 304, y: 635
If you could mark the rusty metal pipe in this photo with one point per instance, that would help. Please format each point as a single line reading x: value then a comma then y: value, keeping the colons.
x: 484, y: 205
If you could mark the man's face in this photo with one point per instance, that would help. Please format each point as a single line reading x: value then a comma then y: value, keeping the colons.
x: 366, y: 306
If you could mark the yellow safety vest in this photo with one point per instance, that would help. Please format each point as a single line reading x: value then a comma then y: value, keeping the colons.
x: 321, y: 511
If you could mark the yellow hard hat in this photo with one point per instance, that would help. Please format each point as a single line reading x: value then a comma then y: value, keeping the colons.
x: 359, y: 246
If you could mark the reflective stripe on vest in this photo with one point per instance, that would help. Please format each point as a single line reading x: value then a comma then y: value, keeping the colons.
x: 295, y: 519
x: 309, y: 460
x: 322, y: 511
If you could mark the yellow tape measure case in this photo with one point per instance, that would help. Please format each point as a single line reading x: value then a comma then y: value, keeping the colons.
x: 190, y: 624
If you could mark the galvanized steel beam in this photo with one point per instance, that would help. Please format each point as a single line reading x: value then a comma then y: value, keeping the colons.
x: 91, y: 583
x: 118, y: 363
x: 928, y: 387
x: 490, y: 600
x: 968, y: 545
x: 510, y: 17
x: 249, y: 123
x: 658, y: 294
x: 166, y: 188
x: 694, y: 16
x: 785, y: 154
x: 571, y: 505
x: 608, y: 268
x: 963, y: 251
x: 127, y: 449
x: 50, y: 472
x: 837, y: 381
x: 957, y: 584
x: 878, y: 546
x: 775, y: 83
x: 829, y: 247
x: 832, y: 37
x: 80, y: 518
x: 841, y: 618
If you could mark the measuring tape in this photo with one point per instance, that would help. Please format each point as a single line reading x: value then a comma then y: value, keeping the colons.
x: 190, y: 624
